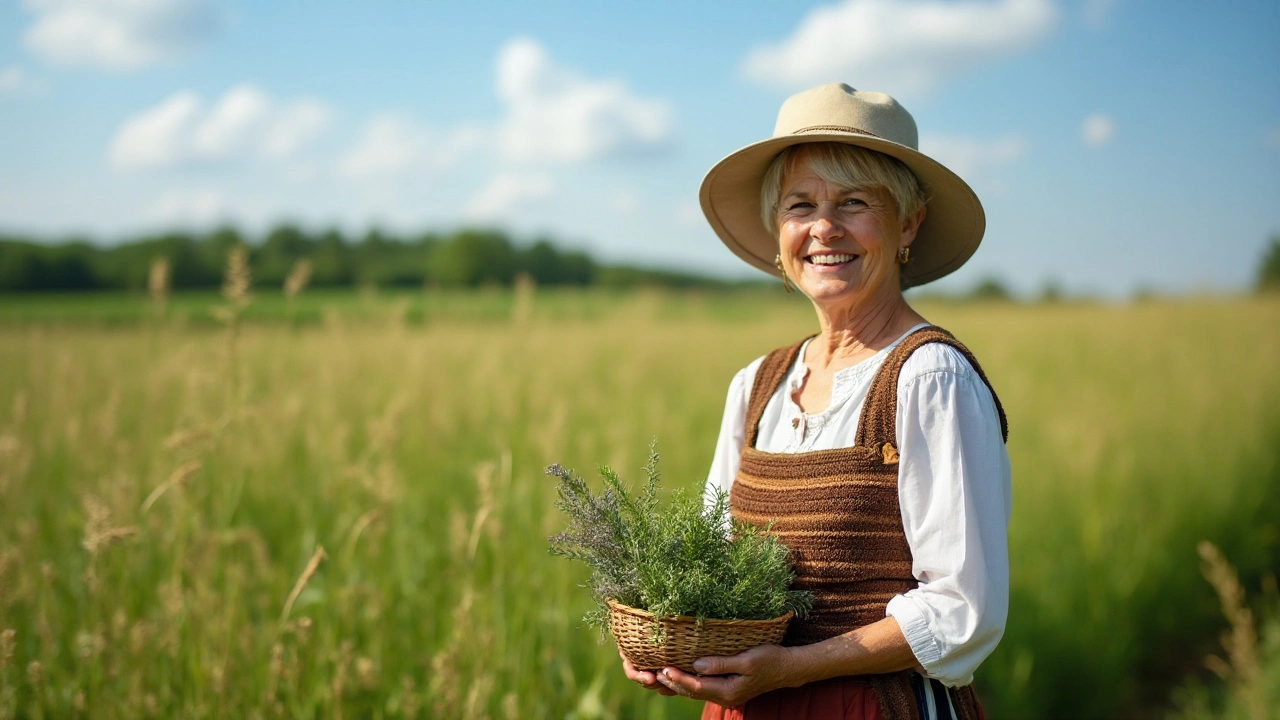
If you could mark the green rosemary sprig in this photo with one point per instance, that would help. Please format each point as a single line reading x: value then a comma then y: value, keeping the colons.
x: 685, y: 558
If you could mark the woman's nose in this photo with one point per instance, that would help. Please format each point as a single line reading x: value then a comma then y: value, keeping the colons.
x: 824, y: 224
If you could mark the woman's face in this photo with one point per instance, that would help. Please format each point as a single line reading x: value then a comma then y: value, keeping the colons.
x: 839, y: 246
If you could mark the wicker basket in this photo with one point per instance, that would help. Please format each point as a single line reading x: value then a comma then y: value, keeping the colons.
x: 683, y: 640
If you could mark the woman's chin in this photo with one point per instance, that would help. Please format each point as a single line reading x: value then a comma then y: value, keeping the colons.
x: 830, y: 278
x: 831, y: 291
x: 840, y: 292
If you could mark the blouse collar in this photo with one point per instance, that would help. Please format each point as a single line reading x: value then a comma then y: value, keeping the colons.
x: 844, y: 383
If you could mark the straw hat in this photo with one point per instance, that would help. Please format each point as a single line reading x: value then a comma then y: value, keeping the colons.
x: 730, y: 192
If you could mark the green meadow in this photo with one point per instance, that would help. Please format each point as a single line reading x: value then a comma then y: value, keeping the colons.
x: 336, y: 507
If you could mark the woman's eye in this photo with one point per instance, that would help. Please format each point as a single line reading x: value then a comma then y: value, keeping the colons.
x: 853, y: 201
x: 799, y: 206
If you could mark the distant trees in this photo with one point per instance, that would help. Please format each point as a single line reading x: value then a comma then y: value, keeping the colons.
x: 1269, y: 269
x: 465, y: 258
x: 990, y: 288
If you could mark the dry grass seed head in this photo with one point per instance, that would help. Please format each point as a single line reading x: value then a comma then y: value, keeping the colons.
x: 338, y: 684
x: 410, y: 704
x: 366, y: 673
x: 98, y: 532
x: 173, y: 603
x: 459, y: 534
x: 9, y: 561
x: 484, y: 505
x: 8, y: 644
x: 184, y: 438
x: 158, y: 280
x: 296, y: 281
x: 300, y: 629
x: 235, y: 284
x: 139, y: 638
x: 523, y: 291
x: 357, y: 529
x: 1243, y: 673
x: 218, y: 678
x: 90, y: 645
x: 176, y: 480
x: 1241, y: 641
x: 275, y: 668
x: 312, y: 565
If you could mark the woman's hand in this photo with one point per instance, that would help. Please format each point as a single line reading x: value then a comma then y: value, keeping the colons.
x: 646, y: 679
x: 732, y: 681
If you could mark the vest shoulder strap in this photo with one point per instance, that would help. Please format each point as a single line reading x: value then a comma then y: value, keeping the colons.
x: 878, y: 424
x: 768, y: 377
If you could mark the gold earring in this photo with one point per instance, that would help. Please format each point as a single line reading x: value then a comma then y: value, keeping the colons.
x: 904, y: 255
x: 786, y: 283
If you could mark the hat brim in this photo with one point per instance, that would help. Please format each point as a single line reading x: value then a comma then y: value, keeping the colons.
x: 950, y: 234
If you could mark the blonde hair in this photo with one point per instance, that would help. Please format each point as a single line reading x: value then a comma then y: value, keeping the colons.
x: 848, y: 166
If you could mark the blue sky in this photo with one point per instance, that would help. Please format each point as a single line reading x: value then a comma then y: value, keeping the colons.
x: 1116, y: 144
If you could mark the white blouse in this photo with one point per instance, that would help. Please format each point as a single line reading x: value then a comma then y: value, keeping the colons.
x: 953, y: 488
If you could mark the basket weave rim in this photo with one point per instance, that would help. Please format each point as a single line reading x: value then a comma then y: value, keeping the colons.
x: 616, y: 606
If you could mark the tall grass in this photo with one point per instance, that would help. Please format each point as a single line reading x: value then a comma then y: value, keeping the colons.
x: 161, y: 527
x: 1251, y: 669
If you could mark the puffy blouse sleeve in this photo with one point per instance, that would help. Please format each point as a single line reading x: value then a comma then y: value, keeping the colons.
x: 724, y: 465
x: 954, y: 490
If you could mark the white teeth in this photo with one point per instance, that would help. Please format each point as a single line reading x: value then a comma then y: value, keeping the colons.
x: 833, y: 259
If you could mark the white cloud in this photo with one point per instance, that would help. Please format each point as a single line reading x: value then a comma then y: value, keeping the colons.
x: 506, y: 193
x: 556, y: 114
x: 13, y: 79
x: 392, y: 146
x: 119, y: 34
x: 244, y: 124
x: 971, y: 157
x: 901, y: 47
x: 296, y: 125
x: 234, y: 124
x: 389, y: 145
x: 160, y: 136
x: 190, y: 207
x: 1097, y: 130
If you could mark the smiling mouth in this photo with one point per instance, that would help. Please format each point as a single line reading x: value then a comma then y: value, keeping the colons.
x: 830, y: 259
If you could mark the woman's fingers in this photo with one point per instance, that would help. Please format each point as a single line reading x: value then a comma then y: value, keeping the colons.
x: 728, y: 691
x: 746, y: 662
x: 718, y: 666
x: 644, y: 678
x: 728, y: 681
x: 682, y: 682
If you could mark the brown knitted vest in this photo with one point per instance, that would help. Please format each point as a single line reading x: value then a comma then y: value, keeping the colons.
x: 837, y: 511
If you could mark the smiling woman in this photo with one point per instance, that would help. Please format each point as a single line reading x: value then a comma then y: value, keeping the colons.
x: 841, y: 230
x: 874, y: 449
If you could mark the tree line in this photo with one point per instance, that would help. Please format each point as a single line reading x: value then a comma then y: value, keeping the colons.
x: 463, y: 258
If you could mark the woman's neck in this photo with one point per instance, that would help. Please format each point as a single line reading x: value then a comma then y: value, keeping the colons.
x: 851, y: 334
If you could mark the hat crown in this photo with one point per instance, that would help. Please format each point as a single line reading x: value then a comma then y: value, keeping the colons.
x: 838, y: 107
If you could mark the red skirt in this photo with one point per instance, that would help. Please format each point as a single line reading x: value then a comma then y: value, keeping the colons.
x: 847, y: 698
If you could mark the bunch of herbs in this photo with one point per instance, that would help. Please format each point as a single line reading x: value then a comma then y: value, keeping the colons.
x: 686, y: 557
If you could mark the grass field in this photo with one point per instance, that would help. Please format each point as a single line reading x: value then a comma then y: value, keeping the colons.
x: 166, y: 487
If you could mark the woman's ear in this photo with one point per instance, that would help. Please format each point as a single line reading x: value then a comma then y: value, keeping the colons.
x: 911, y: 225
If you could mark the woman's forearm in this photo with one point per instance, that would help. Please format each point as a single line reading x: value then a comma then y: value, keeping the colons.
x: 872, y: 649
